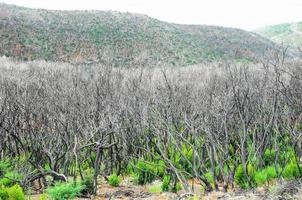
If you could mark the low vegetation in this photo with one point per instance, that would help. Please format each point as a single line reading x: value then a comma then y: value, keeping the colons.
x: 277, y: 30
x: 287, y: 34
x: 114, y: 180
x: 62, y: 191
x: 14, y: 192
x: 119, y: 39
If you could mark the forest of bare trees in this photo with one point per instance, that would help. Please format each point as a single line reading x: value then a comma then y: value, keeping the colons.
x: 220, y: 123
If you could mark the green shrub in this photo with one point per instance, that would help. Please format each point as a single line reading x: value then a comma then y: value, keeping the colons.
x: 269, y: 156
x: 265, y: 175
x: 3, y: 193
x: 88, y: 181
x: 5, y: 166
x: 146, y: 172
x: 161, y: 168
x: 210, y: 178
x: 165, y: 186
x: 260, y: 177
x: 114, y: 180
x: 15, y: 176
x: 15, y: 193
x: 188, y: 152
x: 291, y: 171
x: 129, y: 169
x: 240, y: 177
x: 135, y: 179
x: 43, y: 196
x: 62, y: 191
x: 47, y: 167
x: 271, y: 173
x: 288, y: 155
x: 177, y: 187
x: 182, y: 159
x: 6, y: 182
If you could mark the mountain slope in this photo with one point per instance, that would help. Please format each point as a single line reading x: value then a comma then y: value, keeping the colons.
x: 287, y: 33
x: 118, y: 38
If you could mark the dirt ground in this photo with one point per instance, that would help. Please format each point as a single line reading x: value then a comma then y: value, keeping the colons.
x: 127, y: 191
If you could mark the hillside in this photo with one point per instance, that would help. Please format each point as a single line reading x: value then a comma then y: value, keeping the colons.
x: 119, y: 38
x: 287, y: 33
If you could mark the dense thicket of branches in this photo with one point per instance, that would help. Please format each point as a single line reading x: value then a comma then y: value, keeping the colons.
x: 64, y: 116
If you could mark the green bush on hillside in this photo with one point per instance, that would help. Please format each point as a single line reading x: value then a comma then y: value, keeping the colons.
x: 3, y: 193
x: 166, y: 183
x: 6, y: 182
x: 14, y: 192
x: 269, y: 156
x: 240, y: 177
x: 129, y: 169
x: 291, y: 171
x: 210, y: 178
x: 43, y: 196
x: 5, y: 166
x: 265, y: 175
x: 146, y: 172
x: 88, y: 181
x: 288, y: 155
x: 114, y: 180
x: 161, y: 168
x: 10, y: 178
x: 63, y: 191
x: 188, y: 153
x: 177, y: 187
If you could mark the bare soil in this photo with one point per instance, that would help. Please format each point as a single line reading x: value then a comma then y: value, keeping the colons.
x: 281, y: 190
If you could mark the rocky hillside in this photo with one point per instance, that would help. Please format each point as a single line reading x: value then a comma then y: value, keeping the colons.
x: 119, y: 38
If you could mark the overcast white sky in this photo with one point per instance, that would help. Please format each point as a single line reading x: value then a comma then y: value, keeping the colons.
x: 245, y: 14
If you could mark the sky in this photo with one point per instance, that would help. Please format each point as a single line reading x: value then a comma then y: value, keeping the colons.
x: 245, y: 14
